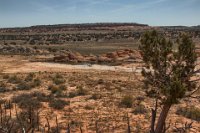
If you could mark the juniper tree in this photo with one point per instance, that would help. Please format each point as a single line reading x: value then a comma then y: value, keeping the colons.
x: 168, y: 70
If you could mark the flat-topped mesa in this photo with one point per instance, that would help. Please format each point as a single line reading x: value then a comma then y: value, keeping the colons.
x: 72, y: 27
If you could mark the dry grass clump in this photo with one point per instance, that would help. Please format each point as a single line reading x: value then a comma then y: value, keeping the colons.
x: 57, y: 90
x: 14, y: 79
x: 24, y: 86
x: 96, y: 96
x: 58, y: 79
x: 24, y: 83
x: 139, y: 109
x: 81, y: 91
x: 30, y: 77
x: 58, y: 104
x: 42, y: 97
x: 27, y: 85
x: 26, y: 101
x: 36, y: 82
x: 6, y: 76
x: 191, y: 112
x: 3, y: 87
x: 127, y: 101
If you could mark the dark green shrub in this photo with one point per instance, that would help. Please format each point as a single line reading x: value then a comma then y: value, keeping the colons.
x: 191, y: 112
x: 58, y: 104
x: 127, y: 101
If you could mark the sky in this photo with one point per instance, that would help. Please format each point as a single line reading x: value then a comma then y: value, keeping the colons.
x: 20, y: 13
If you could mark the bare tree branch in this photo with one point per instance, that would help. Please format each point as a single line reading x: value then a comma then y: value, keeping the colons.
x: 193, y: 92
x: 196, y: 80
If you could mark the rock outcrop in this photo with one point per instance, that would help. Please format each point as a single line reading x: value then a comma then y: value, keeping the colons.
x: 125, y: 55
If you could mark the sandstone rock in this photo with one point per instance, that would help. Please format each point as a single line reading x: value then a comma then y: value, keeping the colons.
x: 112, y: 55
x: 104, y: 59
x: 72, y: 56
x: 61, y: 58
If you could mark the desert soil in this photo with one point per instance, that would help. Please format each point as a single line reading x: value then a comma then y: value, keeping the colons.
x: 118, y: 81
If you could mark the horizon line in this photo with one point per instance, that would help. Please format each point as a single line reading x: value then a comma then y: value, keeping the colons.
x: 37, y: 25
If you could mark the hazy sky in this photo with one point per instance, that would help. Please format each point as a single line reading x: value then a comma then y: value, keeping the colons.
x: 14, y: 13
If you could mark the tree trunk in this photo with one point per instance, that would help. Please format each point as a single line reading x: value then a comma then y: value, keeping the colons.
x: 162, y: 118
x: 153, y: 117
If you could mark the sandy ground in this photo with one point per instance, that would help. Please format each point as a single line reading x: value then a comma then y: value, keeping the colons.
x: 55, y: 67
x: 114, y: 77
x: 17, y: 64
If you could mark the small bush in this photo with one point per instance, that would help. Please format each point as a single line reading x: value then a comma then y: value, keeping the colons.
x: 55, y: 130
x: 36, y: 82
x: 139, y: 109
x: 58, y: 79
x: 26, y: 101
x: 127, y: 101
x: 29, y: 77
x: 3, y: 87
x: 14, y: 79
x: 27, y: 115
x: 41, y: 96
x: 8, y: 105
x: 2, y: 90
x: 72, y: 94
x: 54, y: 89
x: 6, y: 76
x: 59, y: 76
x: 95, y: 96
x: 24, y: 86
x: 140, y: 98
x: 2, y: 101
x: 189, y: 112
x: 58, y: 104
x: 100, y: 81
x: 62, y: 87
x: 88, y: 107
x: 81, y: 91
